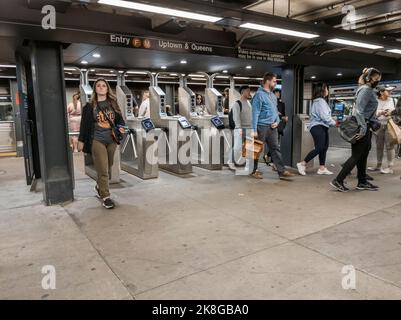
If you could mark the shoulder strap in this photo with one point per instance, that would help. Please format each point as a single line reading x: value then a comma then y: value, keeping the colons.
x: 240, y: 105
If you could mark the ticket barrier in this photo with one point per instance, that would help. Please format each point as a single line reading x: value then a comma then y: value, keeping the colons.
x: 175, y: 144
x: 139, y: 149
x: 207, y: 153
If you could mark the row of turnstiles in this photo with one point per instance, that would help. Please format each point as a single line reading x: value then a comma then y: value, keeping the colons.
x: 172, y: 143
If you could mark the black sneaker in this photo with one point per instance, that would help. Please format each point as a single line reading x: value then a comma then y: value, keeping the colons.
x: 369, y: 178
x: 108, y: 203
x: 97, y: 191
x: 367, y: 186
x: 339, y: 186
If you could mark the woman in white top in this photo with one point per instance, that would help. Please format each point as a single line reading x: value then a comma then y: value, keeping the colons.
x: 144, y: 108
x: 385, y: 108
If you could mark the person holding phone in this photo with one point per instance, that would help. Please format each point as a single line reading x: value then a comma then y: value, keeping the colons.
x: 96, y: 135
x: 384, y: 110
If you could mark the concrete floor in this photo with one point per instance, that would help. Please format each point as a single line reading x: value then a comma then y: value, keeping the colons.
x: 209, y: 235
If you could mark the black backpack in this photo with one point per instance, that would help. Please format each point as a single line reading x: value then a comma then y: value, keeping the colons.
x: 231, y: 122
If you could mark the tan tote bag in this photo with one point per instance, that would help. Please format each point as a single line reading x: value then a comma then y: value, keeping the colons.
x: 394, y: 132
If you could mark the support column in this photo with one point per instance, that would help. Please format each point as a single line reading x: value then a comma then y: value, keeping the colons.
x: 292, y: 95
x: 51, y: 117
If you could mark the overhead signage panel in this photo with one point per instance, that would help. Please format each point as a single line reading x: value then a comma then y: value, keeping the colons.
x: 194, y: 48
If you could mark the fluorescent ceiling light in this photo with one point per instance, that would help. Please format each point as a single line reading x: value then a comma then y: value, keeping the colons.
x: 160, y: 10
x: 104, y: 74
x: 339, y: 74
x: 394, y: 51
x: 288, y: 32
x: 248, y: 67
x: 96, y: 55
x: 313, y: 77
x: 355, y: 43
x: 68, y: 69
x: 7, y: 66
x: 183, y: 61
x: 224, y: 71
x: 173, y: 74
x: 163, y: 67
x: 84, y: 62
x: 222, y: 77
x: 136, y: 72
x: 196, y: 75
x: 241, y: 78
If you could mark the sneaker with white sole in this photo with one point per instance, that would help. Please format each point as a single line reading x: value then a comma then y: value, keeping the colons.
x: 325, y: 171
x: 97, y: 191
x: 301, y: 169
x: 108, y: 203
x: 231, y: 166
x: 387, y: 171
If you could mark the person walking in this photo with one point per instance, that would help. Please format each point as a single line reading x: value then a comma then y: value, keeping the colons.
x: 320, y: 121
x: 265, y: 120
x: 384, y: 110
x: 242, y: 116
x: 365, y: 109
x: 99, y: 118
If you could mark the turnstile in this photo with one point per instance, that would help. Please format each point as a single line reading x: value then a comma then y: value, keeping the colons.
x: 175, y: 144
x: 303, y: 141
x: 205, y: 151
x: 139, y: 149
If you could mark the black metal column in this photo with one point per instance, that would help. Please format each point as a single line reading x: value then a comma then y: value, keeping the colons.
x: 51, y: 117
x: 292, y: 95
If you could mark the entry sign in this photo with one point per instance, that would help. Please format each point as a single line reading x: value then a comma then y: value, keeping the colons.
x: 170, y: 45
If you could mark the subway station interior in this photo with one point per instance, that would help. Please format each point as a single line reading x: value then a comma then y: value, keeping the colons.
x: 188, y: 223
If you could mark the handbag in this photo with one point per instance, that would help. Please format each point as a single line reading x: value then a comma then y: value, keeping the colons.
x: 394, y: 132
x: 349, y: 129
x: 116, y: 134
x: 252, y: 148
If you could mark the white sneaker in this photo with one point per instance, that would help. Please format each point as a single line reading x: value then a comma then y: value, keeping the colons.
x: 301, y: 169
x: 231, y: 166
x: 324, y: 171
x: 387, y: 171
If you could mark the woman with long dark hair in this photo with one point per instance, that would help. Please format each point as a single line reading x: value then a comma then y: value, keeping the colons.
x: 96, y: 135
x: 365, y: 109
x: 320, y: 121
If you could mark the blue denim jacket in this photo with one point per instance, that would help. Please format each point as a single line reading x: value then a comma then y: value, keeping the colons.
x: 264, y: 108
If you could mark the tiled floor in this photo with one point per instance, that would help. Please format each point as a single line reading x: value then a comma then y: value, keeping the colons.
x: 211, y: 236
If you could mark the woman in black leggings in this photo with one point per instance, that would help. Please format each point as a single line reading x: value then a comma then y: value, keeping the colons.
x: 365, y: 109
x: 320, y: 121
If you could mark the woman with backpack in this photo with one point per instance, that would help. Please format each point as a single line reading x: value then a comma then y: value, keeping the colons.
x: 101, y: 120
x: 320, y: 121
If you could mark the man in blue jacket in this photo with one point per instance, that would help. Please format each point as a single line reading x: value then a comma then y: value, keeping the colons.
x: 265, y: 120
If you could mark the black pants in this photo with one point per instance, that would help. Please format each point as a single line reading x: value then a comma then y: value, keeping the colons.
x: 270, y: 136
x: 320, y: 136
x: 359, y: 158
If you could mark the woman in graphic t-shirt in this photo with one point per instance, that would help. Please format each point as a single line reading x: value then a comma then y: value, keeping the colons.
x: 96, y: 137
